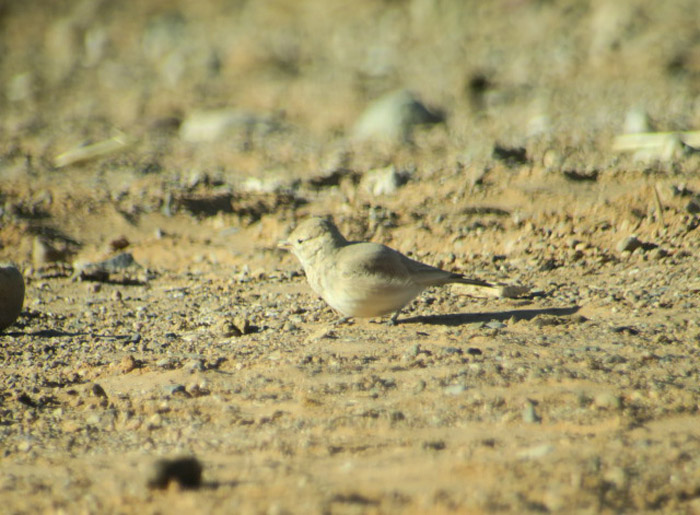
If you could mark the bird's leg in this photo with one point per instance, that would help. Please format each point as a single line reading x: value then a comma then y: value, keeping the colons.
x: 394, y: 318
x: 342, y: 320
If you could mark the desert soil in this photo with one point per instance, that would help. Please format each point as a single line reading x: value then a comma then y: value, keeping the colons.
x: 581, y: 395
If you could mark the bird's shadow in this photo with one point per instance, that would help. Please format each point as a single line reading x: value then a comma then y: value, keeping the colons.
x: 502, y: 316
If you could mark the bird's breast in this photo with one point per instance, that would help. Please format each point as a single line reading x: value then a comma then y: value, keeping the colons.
x: 357, y: 299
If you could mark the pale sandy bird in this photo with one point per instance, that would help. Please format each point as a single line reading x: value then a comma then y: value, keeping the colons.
x: 362, y: 279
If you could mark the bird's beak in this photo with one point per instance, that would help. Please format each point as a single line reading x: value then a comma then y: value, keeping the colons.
x: 285, y: 245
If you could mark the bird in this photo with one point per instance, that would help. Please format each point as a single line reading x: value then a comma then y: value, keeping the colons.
x: 362, y: 279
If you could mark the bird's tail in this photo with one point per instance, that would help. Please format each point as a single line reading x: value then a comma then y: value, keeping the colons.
x: 466, y: 280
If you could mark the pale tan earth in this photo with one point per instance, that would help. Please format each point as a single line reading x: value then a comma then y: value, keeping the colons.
x: 581, y: 396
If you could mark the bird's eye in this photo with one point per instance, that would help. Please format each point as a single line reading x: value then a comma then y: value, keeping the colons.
x: 300, y: 240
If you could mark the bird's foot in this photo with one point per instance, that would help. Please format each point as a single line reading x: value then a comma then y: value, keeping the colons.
x: 394, y: 319
x: 342, y: 321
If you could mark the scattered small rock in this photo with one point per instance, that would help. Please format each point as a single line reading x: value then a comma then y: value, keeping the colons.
x: 155, y: 421
x: 576, y: 176
x: 658, y: 253
x: 98, y: 391
x: 435, y: 445
x: 333, y: 178
x: 175, y: 389
x: 194, y: 365
x: 533, y: 453
x: 121, y: 269
x: 323, y: 333
x: 12, y: 297
x: 420, y: 386
x: 511, y: 156
x: 529, y: 414
x: 185, y: 471
x: 45, y: 252
x: 24, y: 445
x: 509, y: 291
x: 693, y: 206
x: 206, y: 204
x: 625, y: 329
x: 197, y: 388
x: 83, y: 153
x: 413, y: 350
x: 455, y: 389
x: 392, y: 118
x: 239, y: 326
x: 127, y: 364
x: 637, y: 121
x: 549, y: 264
x: 617, y: 476
x: 25, y: 399
x: 242, y: 324
x: 227, y: 328
x: 629, y: 244
x: 608, y: 400
x: 166, y: 363
x: 547, y: 320
x: 119, y: 243
x: 200, y: 126
x: 384, y: 181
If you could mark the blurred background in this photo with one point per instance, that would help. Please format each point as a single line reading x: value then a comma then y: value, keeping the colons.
x: 285, y: 84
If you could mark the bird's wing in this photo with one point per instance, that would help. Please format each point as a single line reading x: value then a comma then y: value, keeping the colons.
x: 431, y: 276
x: 372, y: 260
x: 428, y: 275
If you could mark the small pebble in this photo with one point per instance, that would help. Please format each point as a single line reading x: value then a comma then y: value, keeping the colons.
x: 196, y: 389
x: 43, y: 252
x: 242, y: 324
x: 392, y: 118
x: 24, y: 445
x: 616, y: 476
x: 12, y: 298
x: 455, y: 389
x: 608, y: 400
x: 384, y: 181
x: 533, y: 453
x: 529, y: 414
x: 173, y: 389
x: 127, y: 364
x: 693, y: 206
x: 155, y: 421
x: 185, y: 471
x: 325, y: 333
x: 436, y: 445
x: 629, y: 244
x: 419, y: 387
x: 194, y: 365
x: 227, y: 329
x: 98, y: 391
x: 658, y: 253
x: 119, y: 243
x: 165, y: 363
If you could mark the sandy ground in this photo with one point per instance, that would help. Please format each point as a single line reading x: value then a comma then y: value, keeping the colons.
x: 579, y: 396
